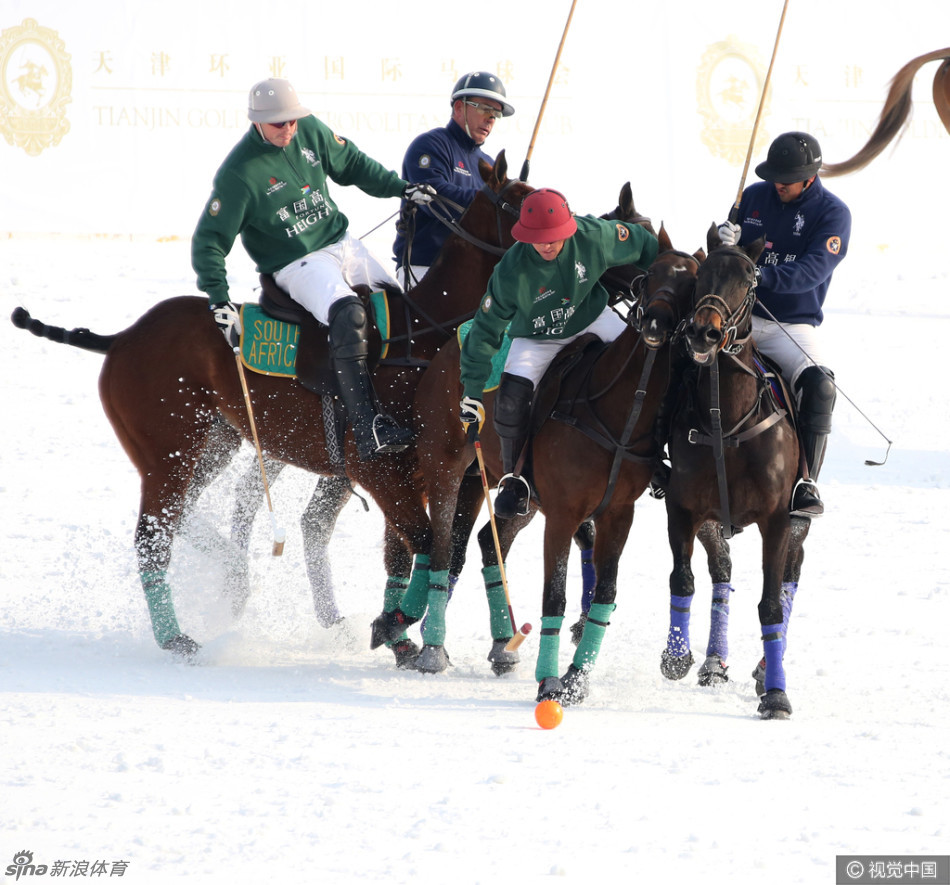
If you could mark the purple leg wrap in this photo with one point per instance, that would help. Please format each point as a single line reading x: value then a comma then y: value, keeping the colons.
x: 719, y: 622
x: 677, y: 642
x: 774, y: 645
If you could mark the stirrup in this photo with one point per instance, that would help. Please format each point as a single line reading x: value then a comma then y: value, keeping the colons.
x: 513, y: 496
x: 806, y: 501
x: 387, y: 437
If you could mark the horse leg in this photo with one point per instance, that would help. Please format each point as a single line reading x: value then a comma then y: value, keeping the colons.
x: 553, y: 605
x: 584, y: 539
x: 612, y: 531
x: 793, y: 570
x: 317, y: 523
x: 500, y: 616
x: 774, y: 704
x: 397, y: 559
x: 714, y: 669
x: 677, y: 659
x: 248, y: 493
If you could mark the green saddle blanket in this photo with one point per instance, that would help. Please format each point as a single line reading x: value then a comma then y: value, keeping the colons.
x: 498, y: 360
x: 269, y: 346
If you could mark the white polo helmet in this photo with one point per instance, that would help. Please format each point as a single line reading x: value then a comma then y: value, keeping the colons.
x: 274, y: 101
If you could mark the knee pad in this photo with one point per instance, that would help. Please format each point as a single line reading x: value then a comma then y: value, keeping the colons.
x: 513, y: 406
x: 349, y: 339
x: 817, y: 393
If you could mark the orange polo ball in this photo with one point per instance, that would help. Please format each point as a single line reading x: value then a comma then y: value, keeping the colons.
x: 548, y: 714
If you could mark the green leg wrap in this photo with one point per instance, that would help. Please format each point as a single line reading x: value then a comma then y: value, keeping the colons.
x: 158, y: 595
x: 434, y: 631
x: 497, y: 603
x: 598, y: 619
x: 548, y: 648
x: 416, y: 597
x: 395, y: 590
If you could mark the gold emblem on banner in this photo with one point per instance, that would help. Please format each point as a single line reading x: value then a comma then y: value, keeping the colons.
x: 35, y: 85
x: 728, y: 86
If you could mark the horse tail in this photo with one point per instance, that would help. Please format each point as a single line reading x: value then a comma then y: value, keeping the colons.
x: 81, y: 338
x: 896, y: 112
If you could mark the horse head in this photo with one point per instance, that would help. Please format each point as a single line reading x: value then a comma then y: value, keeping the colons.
x: 497, y: 205
x: 725, y: 293
x: 665, y: 292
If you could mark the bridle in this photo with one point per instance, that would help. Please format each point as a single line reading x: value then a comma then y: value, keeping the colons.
x: 664, y: 294
x: 733, y: 322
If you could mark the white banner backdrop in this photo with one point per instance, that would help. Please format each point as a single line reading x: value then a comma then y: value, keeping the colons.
x: 114, y: 120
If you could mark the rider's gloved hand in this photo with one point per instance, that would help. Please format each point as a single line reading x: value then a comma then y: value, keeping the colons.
x: 729, y: 233
x: 229, y: 322
x: 419, y: 194
x: 472, y: 411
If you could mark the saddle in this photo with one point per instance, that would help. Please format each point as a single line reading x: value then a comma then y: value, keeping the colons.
x: 313, y: 366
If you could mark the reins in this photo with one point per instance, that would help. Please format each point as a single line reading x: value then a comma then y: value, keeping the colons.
x: 439, y: 207
x: 735, y: 323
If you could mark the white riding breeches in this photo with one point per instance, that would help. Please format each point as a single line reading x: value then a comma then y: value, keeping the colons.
x: 794, y: 346
x: 530, y: 357
x: 322, y: 277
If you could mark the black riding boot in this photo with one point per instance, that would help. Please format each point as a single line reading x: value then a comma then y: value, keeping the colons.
x: 376, y: 433
x: 817, y: 392
x: 512, y: 419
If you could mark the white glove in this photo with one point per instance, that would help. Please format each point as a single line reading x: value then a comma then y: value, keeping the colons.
x: 419, y: 194
x: 229, y: 322
x: 472, y: 411
x: 729, y: 233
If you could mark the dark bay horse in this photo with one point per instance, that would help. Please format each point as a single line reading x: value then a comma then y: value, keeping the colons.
x: 735, y: 459
x: 592, y: 456
x: 897, y: 108
x: 332, y: 493
x: 170, y: 388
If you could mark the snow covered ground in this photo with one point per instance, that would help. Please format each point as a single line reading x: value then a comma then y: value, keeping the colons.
x: 296, y: 754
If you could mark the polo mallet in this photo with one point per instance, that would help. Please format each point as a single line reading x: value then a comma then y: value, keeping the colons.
x: 734, y: 212
x: 519, y: 635
x: 547, y: 92
x: 279, y: 534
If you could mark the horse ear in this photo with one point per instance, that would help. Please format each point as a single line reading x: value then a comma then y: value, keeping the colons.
x: 625, y: 201
x: 501, y: 167
x: 712, y: 237
x: 754, y: 249
x: 666, y: 244
x: 700, y: 255
x: 486, y: 170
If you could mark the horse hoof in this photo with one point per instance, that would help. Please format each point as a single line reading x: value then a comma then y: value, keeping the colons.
x: 758, y: 674
x: 405, y: 652
x: 181, y: 645
x: 713, y: 671
x: 577, y: 629
x: 432, y: 659
x: 576, y: 685
x: 673, y: 667
x: 388, y: 627
x: 774, y: 704
x: 502, y: 660
x: 550, y: 689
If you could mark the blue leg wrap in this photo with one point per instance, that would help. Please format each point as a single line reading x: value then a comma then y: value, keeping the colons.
x: 789, y: 589
x: 677, y: 641
x: 719, y: 622
x: 588, y: 578
x: 773, y: 642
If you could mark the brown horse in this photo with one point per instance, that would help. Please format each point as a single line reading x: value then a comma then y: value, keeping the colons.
x: 332, y: 493
x: 735, y: 457
x: 897, y: 108
x: 170, y: 388
x: 611, y: 398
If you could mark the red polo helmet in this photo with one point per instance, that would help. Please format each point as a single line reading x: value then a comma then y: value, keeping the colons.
x: 545, y: 218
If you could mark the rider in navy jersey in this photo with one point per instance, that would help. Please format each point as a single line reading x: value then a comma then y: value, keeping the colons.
x: 806, y: 230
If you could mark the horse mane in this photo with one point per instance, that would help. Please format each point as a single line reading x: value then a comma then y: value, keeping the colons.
x: 897, y: 110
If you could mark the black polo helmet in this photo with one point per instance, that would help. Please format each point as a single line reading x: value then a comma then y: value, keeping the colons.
x: 479, y: 84
x: 793, y: 156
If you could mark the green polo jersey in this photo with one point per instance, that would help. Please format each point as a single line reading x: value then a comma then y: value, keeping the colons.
x: 534, y: 298
x: 277, y: 201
